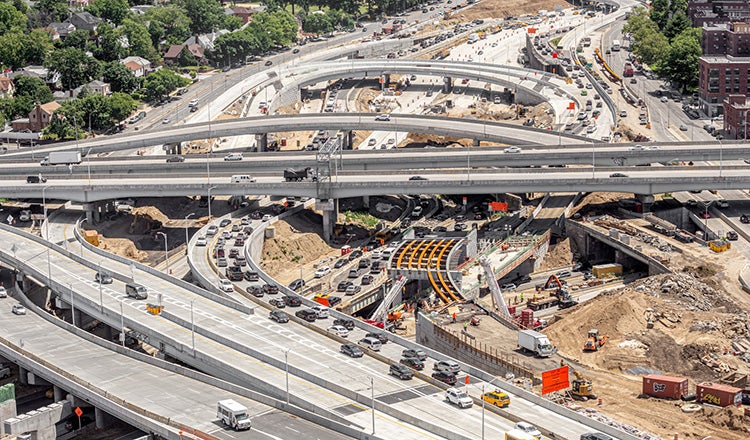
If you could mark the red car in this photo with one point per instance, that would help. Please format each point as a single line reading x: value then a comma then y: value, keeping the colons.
x: 705, y: 214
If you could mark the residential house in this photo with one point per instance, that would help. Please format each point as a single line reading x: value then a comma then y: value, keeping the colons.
x: 58, y: 31
x: 50, y: 78
x: 94, y: 87
x: 206, y: 41
x: 84, y: 20
x: 138, y: 65
x: 41, y: 115
x: 6, y: 87
x: 173, y: 53
x: 244, y: 13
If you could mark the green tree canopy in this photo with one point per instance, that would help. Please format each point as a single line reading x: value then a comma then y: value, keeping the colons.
x: 74, y: 66
x: 34, y: 88
x: 170, y: 23
x: 205, y: 15
x: 162, y: 82
x: 11, y: 18
x: 139, y: 40
x: 681, y: 62
x: 109, y: 47
x: 52, y: 10
x: 119, y: 77
x: 112, y: 10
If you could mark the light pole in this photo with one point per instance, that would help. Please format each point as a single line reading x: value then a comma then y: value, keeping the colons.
x: 122, y: 326
x: 186, y: 231
x: 192, y: 324
x: 372, y: 400
x: 482, y: 411
x: 72, y: 304
x: 101, y: 296
x: 706, y: 204
x: 45, y: 234
x: 209, y: 202
x: 208, y: 165
x: 166, y: 250
x: 286, y: 371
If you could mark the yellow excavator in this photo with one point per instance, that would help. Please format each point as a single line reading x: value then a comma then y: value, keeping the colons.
x: 581, y: 388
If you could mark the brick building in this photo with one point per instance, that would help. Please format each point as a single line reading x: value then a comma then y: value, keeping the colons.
x: 736, y: 116
x: 726, y: 39
x: 718, y: 11
x: 719, y: 77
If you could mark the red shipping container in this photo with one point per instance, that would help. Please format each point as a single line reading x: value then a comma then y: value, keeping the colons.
x: 665, y: 386
x: 718, y: 394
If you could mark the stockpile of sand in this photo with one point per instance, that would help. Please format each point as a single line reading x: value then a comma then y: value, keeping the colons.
x: 503, y: 8
x: 123, y: 247
x: 559, y: 255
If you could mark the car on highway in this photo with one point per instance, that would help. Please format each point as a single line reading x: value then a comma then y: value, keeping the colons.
x: 201, y: 241
x: 417, y: 178
x: 233, y: 156
x: 352, y: 350
x: 278, y: 316
x: 269, y: 62
x: 414, y: 353
x: 352, y: 289
x: 341, y: 262
x: 412, y: 362
x: 18, y: 309
x: 177, y: 158
x: 225, y: 285
x: 401, y: 371
x: 732, y: 236
x: 366, y: 280
x: 296, y: 50
x: 512, y: 150
x: 508, y: 286
x: 529, y: 429
x: 322, y: 271
x: 341, y: 287
x: 292, y: 301
x: 338, y: 330
x: 745, y: 218
x: 383, y: 117
x: 165, y: 121
x: 618, y: 175
x: 222, y: 262
x: 372, y: 142
x: 306, y: 314
x: 497, y: 398
x: 212, y: 230
x: 225, y: 222
x: 3, y: 292
x: 346, y: 323
x: 277, y: 302
x: 705, y: 215
x: 595, y: 436
x: 664, y: 99
x: 458, y: 397
x: 683, y: 127
x: 442, y: 376
x: 297, y: 284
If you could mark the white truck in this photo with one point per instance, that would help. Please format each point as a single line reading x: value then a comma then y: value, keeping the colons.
x: 61, y: 158
x: 536, y: 343
x: 233, y: 414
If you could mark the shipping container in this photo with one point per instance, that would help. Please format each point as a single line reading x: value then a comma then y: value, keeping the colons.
x: 718, y: 394
x: 665, y: 386
x: 606, y: 270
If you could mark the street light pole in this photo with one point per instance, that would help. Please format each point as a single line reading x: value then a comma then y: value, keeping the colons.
x: 372, y: 400
x: 286, y: 371
x: 122, y: 326
x: 72, y: 304
x: 45, y: 234
x: 209, y: 202
x: 166, y: 250
x: 186, y: 231
x: 101, y: 296
x: 706, y: 204
x: 192, y: 324
x: 482, y: 411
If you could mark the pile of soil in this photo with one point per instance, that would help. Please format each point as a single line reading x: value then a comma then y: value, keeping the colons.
x: 503, y: 8
x: 558, y: 256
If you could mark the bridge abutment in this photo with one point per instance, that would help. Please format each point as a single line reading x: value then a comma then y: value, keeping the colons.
x: 261, y: 142
x: 447, y: 84
x: 330, y: 214
x: 647, y: 201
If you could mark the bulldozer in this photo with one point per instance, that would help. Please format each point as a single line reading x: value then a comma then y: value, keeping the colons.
x: 581, y: 388
x: 594, y: 341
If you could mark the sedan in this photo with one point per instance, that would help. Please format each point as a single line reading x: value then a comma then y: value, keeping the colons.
x: 512, y: 150
x: 442, y: 376
x: 410, y: 353
x: 383, y: 117
x: 3, y: 292
x: 322, y: 271
x: 222, y: 262
x: 306, y: 314
x: 346, y: 323
x: 352, y: 350
x: 343, y: 285
x: 417, y: 178
x: 269, y: 62
x: 226, y: 286
x: 278, y: 303
x: 412, y: 362
x: 18, y: 309
x: 103, y: 278
x: 278, y: 316
x: 292, y: 301
x: 225, y: 222
x: 339, y: 330
x: 165, y: 121
x: 341, y: 262
x: 175, y: 159
x: 200, y: 241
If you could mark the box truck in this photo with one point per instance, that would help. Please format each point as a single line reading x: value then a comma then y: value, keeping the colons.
x: 233, y: 414
x: 536, y: 343
x: 61, y: 158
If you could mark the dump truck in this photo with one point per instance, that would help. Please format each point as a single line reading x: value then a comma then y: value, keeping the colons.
x: 61, y: 158
x: 296, y: 175
x: 535, y: 342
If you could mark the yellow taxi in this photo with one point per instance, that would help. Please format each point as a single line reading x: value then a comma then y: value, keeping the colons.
x: 497, y: 398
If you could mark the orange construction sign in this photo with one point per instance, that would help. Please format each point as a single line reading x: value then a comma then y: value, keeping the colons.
x: 531, y: 30
x: 555, y: 380
x: 571, y: 105
x: 78, y: 411
x: 498, y: 206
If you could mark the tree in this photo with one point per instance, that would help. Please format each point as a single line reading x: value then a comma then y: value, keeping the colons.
x: 77, y: 39
x: 52, y: 10
x: 34, y: 88
x: 121, y: 105
x: 649, y: 45
x: 205, y: 15
x: 12, y: 54
x: 169, y: 23
x: 681, y: 62
x: 119, y: 77
x: 109, y: 47
x: 139, y: 40
x: 38, y: 44
x: 74, y: 66
x: 677, y: 23
x: 112, y: 10
x: 161, y: 83
x: 11, y: 18
x: 186, y: 58
x: 316, y: 24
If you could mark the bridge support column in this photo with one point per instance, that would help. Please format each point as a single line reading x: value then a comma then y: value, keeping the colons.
x: 330, y: 214
x: 261, y: 142
x: 647, y: 200
x: 347, y: 140
x: 101, y: 418
x: 59, y: 393
x: 386, y: 81
x: 476, y: 142
x: 23, y: 375
x: 447, y: 84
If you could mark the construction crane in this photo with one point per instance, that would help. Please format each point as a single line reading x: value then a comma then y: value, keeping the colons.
x: 497, y: 294
x: 381, y: 311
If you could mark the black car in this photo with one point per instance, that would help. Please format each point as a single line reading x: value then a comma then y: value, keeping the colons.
x: 278, y: 316
x: 103, y: 278
x: 363, y: 263
x: 306, y: 314
x: 343, y: 285
x: 442, y: 376
x: 353, y: 255
x: 269, y: 62
x: 346, y: 323
x: 366, y: 279
x: 410, y: 353
x: 278, y: 303
x: 297, y: 284
x: 255, y: 291
x: 417, y: 178
x: 595, y: 436
x: 175, y: 159
x: 401, y: 371
x: 292, y: 301
x: 340, y: 263
x: 618, y: 175
x: 333, y: 300
x: 412, y: 362
x: 252, y: 276
x: 270, y: 289
x: 379, y: 336
x: 225, y: 222
x: 352, y: 350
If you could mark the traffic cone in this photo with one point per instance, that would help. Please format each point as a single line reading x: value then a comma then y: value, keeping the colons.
x: 467, y: 379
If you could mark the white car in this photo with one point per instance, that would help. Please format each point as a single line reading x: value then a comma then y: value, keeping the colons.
x: 512, y: 150
x: 376, y: 254
x: 18, y: 309
x: 529, y: 429
x: 383, y: 117
x: 200, y: 241
x: 3, y: 292
x: 322, y: 271
x: 371, y: 142
x: 233, y: 156
x: 265, y: 218
x: 458, y: 397
x: 212, y: 230
x: 339, y: 330
x: 226, y: 286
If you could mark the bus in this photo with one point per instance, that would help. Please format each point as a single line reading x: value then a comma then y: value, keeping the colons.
x: 616, y: 45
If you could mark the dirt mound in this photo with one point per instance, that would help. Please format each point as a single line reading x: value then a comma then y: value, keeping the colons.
x: 123, y: 247
x: 730, y: 417
x: 147, y: 219
x: 503, y: 8
x: 590, y: 201
x: 559, y: 255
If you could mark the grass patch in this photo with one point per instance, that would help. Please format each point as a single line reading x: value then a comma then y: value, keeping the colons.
x: 361, y: 218
x: 554, y: 41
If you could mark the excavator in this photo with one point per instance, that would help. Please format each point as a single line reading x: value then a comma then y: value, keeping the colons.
x: 581, y: 388
x: 594, y: 341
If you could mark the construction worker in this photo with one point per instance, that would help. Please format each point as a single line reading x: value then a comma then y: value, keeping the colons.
x: 466, y: 326
x: 521, y: 297
x: 454, y: 316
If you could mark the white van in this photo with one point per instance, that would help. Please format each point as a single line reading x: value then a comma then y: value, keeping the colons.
x: 417, y: 211
x: 243, y: 178
x: 321, y: 312
x: 233, y: 414
x: 193, y: 102
x: 373, y: 344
